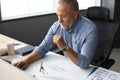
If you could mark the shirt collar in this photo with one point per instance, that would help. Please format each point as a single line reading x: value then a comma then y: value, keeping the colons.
x: 74, y: 25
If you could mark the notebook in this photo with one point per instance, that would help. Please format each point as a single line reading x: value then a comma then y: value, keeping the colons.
x: 24, y: 50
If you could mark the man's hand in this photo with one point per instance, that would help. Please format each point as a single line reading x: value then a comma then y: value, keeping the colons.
x: 59, y: 41
x: 22, y: 64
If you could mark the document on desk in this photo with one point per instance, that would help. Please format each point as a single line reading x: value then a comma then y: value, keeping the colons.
x: 104, y: 74
x: 57, y: 67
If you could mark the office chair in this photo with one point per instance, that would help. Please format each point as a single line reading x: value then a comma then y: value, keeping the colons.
x: 107, y: 30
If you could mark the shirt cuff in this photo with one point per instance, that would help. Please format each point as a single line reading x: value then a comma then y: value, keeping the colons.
x: 41, y: 52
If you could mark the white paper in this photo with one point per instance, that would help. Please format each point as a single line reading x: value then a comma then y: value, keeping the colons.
x: 104, y: 74
x: 57, y: 67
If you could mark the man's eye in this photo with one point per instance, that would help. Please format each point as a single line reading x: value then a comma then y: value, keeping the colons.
x: 64, y: 16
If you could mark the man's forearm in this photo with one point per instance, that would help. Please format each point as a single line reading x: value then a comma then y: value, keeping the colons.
x: 72, y: 55
x: 32, y: 57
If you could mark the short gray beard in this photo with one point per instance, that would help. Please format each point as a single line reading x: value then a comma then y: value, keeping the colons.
x: 67, y: 27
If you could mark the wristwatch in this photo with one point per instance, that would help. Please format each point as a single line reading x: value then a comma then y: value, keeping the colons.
x: 65, y: 48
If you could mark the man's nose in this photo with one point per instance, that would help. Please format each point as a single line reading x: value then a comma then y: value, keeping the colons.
x: 60, y: 20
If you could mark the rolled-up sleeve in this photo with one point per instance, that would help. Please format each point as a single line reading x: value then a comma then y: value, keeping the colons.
x: 47, y: 42
x: 88, y: 49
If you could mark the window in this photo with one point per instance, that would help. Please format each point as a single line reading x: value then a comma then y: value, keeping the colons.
x: 12, y: 9
x: 84, y: 4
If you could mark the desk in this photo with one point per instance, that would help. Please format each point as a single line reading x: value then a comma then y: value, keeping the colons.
x: 4, y: 39
x: 56, y: 67
x: 7, y: 71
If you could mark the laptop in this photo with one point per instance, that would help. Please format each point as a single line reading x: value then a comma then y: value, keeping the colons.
x: 10, y: 72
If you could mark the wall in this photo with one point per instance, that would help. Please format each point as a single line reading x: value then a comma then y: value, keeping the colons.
x: 0, y: 24
x: 117, y: 10
x: 117, y: 39
x: 0, y: 28
x: 31, y: 30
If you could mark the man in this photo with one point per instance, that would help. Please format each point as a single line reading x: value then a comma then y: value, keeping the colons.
x: 75, y: 35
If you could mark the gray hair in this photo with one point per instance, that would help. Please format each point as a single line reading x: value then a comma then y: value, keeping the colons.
x: 73, y: 4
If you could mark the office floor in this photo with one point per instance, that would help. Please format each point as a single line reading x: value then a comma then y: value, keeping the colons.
x: 116, y: 56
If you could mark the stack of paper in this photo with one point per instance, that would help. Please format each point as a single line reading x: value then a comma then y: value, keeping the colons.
x: 104, y: 74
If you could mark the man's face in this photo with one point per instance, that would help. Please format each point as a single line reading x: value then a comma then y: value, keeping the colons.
x: 65, y: 15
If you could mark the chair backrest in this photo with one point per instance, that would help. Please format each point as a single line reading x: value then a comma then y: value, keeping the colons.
x: 107, y: 30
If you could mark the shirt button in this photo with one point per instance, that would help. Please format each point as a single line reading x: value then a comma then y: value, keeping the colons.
x: 69, y: 35
x: 69, y: 44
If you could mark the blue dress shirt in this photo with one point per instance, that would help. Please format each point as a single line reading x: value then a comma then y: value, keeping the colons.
x: 82, y: 38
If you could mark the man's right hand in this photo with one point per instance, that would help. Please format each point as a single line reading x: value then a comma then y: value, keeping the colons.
x: 24, y: 63
x: 21, y: 64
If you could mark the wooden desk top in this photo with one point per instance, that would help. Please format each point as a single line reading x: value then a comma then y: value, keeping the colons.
x: 4, y: 39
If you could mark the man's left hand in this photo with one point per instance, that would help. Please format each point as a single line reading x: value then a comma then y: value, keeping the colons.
x: 59, y: 41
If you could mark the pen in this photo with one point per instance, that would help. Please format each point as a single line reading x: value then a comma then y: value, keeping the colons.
x: 6, y: 60
x: 42, y: 69
x: 41, y: 66
x: 94, y: 69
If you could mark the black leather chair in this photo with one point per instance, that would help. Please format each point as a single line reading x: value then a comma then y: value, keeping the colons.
x: 107, y: 30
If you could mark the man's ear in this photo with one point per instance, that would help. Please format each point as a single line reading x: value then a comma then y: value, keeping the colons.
x: 75, y: 14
